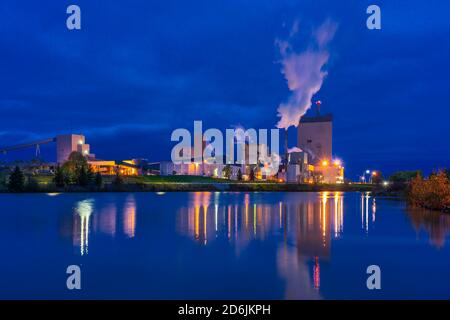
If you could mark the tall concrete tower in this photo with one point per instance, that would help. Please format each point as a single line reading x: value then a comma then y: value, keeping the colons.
x: 315, y: 135
x: 66, y: 144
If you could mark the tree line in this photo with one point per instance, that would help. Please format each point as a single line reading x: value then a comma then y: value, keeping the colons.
x: 76, y: 171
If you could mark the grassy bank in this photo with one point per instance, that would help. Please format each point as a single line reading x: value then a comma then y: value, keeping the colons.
x: 187, y: 183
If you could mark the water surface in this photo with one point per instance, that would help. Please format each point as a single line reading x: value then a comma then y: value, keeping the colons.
x: 220, y: 245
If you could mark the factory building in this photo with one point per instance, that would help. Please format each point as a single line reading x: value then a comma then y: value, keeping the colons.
x: 249, y: 152
x: 327, y: 172
x: 68, y: 143
x: 112, y: 167
x: 315, y: 137
x: 168, y: 168
x: 299, y: 170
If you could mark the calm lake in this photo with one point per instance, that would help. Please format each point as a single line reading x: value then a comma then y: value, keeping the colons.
x: 220, y: 246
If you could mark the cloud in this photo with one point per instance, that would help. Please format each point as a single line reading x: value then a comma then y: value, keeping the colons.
x: 117, y: 129
x: 303, y: 71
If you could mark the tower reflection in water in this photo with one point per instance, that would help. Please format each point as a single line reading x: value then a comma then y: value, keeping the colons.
x: 304, y: 229
x: 81, y: 224
x: 368, y: 210
x: 87, y: 220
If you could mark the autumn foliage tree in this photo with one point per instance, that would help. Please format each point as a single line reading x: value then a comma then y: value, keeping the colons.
x: 431, y: 193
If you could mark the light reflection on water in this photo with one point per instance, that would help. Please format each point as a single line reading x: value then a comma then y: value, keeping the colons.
x: 104, y: 221
x: 204, y: 219
x: 305, y: 236
x: 306, y: 230
x: 81, y: 225
x: 435, y: 224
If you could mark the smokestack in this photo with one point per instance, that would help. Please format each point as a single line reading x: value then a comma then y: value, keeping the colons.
x: 286, y: 154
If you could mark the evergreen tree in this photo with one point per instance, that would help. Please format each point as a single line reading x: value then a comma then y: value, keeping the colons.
x: 227, y: 172
x: 252, y: 175
x: 3, y: 181
x: 16, y: 181
x: 90, y: 175
x: 59, y: 178
x: 404, y: 176
x: 32, y: 185
x: 98, y: 180
x: 75, y: 169
x: 118, y: 180
x: 239, y: 175
x: 83, y: 179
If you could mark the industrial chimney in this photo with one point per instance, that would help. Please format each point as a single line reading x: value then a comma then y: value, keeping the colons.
x: 286, y: 154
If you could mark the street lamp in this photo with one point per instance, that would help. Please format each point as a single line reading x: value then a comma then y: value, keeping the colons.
x: 374, y: 174
x: 364, y: 175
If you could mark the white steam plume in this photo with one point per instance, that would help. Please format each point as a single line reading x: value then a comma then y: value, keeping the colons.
x: 303, y: 72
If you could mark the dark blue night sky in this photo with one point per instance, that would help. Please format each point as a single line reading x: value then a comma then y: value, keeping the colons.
x: 139, y: 69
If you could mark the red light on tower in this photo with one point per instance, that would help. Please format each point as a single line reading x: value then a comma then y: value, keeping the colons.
x: 318, y: 105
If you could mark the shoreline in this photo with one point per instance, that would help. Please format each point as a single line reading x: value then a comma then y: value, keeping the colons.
x: 203, y: 187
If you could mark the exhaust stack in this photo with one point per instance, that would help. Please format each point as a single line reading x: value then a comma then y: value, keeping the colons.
x: 286, y: 154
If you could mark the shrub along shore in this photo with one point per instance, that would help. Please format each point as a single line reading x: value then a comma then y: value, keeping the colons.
x: 47, y: 184
x: 75, y: 175
x: 432, y: 192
